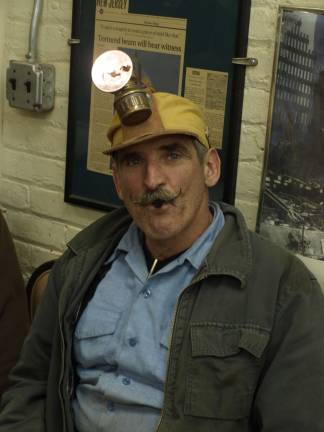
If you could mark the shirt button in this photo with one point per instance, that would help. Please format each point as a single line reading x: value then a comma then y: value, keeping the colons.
x: 132, y: 342
x: 111, y: 406
x: 147, y: 293
x: 126, y: 381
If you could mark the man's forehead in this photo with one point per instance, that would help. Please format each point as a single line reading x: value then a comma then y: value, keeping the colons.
x: 158, y: 143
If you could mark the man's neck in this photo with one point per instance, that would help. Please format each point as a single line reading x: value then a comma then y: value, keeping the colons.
x: 154, y: 264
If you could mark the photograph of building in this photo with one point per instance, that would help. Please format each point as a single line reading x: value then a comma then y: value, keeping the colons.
x: 292, y: 206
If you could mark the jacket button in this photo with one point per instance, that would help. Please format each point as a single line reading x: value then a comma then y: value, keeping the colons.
x: 132, y: 341
x: 111, y: 406
x: 147, y: 293
x: 126, y: 381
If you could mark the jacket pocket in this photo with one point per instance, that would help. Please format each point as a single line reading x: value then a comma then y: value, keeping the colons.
x: 223, y: 370
x: 94, y: 341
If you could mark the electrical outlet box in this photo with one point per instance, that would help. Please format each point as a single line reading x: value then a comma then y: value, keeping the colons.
x: 30, y: 86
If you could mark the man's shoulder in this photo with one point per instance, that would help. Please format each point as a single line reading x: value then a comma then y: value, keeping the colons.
x: 110, y: 225
x: 294, y: 277
x: 261, y: 243
x: 92, y: 242
x: 264, y: 253
x: 257, y: 241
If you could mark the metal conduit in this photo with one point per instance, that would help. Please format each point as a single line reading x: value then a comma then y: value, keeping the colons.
x: 34, y: 26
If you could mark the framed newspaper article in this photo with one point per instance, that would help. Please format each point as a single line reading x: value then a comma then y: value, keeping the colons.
x: 291, y: 210
x: 181, y: 47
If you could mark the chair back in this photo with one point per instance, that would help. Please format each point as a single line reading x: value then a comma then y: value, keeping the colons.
x: 316, y: 267
x: 36, y: 285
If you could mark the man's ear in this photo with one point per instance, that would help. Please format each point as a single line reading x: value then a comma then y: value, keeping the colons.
x: 116, y: 180
x: 212, y: 167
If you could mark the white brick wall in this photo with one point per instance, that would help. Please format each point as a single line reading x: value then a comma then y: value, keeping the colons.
x: 33, y: 146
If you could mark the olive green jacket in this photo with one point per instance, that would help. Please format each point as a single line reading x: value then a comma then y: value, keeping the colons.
x: 247, y: 348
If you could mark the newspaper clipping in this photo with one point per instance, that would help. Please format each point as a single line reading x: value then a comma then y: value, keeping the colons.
x: 208, y: 89
x: 156, y: 46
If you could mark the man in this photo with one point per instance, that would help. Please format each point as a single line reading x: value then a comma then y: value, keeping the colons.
x: 14, y: 320
x: 172, y: 315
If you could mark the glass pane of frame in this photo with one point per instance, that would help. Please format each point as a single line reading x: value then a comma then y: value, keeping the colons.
x: 291, y: 210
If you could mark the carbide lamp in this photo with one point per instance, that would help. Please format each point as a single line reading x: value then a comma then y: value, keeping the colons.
x: 112, y: 72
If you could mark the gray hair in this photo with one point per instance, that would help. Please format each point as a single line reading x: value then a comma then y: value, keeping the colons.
x: 200, y: 149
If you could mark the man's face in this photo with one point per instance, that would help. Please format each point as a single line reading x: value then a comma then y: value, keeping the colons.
x: 164, y: 186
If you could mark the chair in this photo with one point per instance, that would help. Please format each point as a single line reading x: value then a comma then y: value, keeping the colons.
x: 36, y: 285
x: 316, y: 267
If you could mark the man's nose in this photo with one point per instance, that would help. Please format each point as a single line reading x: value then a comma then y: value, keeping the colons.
x: 154, y: 176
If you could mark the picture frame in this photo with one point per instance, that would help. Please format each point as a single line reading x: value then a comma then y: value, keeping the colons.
x: 210, y: 52
x: 291, y: 208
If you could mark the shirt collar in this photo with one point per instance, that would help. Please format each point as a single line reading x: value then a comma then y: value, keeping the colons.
x: 131, y: 241
x: 201, y: 246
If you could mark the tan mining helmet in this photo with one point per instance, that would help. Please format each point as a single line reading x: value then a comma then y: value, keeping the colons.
x: 171, y: 114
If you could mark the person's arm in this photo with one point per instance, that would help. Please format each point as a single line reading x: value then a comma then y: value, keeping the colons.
x: 290, y: 397
x: 23, y: 405
x: 14, y: 319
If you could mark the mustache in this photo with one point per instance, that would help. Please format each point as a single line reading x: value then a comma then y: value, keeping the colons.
x: 157, y: 197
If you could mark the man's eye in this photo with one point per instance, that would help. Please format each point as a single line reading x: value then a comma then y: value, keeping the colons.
x: 174, y: 156
x: 131, y: 161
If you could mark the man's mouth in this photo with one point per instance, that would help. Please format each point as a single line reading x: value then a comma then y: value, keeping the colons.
x: 158, y: 203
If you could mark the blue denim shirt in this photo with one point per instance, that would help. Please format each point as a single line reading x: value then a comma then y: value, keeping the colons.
x: 121, y: 340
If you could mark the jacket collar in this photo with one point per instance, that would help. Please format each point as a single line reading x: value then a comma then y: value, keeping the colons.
x: 231, y: 253
x: 103, y: 233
